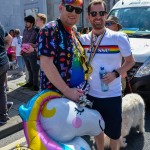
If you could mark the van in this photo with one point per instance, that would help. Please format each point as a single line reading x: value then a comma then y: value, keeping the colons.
x: 134, y: 16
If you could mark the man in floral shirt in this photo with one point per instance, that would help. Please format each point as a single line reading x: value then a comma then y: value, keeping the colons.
x: 61, y: 68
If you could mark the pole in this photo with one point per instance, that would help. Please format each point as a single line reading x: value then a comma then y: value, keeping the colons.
x: 83, y: 15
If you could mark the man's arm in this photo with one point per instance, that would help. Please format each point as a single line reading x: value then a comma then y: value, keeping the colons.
x: 54, y: 77
x: 125, y: 49
x: 7, y: 41
x: 127, y: 65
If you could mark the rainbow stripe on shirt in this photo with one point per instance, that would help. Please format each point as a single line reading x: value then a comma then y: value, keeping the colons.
x: 108, y: 49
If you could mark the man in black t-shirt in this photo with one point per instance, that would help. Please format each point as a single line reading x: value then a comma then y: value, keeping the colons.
x: 4, y: 65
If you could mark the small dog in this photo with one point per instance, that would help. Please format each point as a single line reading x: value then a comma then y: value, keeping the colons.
x: 133, y: 114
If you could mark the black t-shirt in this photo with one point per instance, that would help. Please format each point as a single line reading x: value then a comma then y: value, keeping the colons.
x: 3, y: 54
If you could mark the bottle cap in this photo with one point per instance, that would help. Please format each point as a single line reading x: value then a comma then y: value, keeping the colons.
x: 102, y: 68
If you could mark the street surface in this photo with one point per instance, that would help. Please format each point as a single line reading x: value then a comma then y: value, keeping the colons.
x: 12, y: 141
x: 135, y: 140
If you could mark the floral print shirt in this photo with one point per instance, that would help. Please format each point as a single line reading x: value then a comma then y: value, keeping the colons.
x: 54, y: 41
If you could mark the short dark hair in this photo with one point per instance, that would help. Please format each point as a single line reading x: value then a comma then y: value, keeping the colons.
x: 30, y: 19
x: 84, y: 30
x: 11, y: 30
x: 96, y: 2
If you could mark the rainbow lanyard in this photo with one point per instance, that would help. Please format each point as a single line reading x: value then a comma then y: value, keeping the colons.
x: 94, y: 48
x: 80, y: 53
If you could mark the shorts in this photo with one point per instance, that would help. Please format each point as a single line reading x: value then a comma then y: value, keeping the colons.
x: 111, y: 111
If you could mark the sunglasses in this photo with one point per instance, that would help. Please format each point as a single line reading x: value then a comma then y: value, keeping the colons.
x: 108, y: 24
x: 70, y: 8
x: 94, y: 13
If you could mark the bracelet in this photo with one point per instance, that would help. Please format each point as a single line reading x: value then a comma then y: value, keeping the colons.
x: 116, y: 73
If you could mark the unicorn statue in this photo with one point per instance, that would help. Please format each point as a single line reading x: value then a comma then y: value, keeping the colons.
x: 53, y: 122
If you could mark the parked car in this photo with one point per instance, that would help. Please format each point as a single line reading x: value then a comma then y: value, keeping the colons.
x: 134, y: 16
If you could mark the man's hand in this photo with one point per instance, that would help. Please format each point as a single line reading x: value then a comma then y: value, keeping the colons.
x: 109, y: 77
x: 73, y: 93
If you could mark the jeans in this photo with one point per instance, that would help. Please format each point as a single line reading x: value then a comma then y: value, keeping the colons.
x: 3, y: 94
x: 21, y: 63
x: 32, y: 67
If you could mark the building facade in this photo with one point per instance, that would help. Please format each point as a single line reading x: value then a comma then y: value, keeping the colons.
x: 11, y: 14
x: 50, y: 8
x: 13, y: 11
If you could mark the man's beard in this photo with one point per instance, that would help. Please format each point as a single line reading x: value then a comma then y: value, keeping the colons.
x: 98, y: 26
x: 28, y: 27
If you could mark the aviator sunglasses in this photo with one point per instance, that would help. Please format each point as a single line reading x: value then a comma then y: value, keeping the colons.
x: 108, y: 24
x: 94, y: 13
x: 70, y: 8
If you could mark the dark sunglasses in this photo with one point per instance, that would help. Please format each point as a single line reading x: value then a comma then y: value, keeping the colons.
x: 70, y: 8
x: 94, y: 13
x: 108, y: 24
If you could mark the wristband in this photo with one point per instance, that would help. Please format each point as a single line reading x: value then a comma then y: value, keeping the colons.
x: 116, y: 73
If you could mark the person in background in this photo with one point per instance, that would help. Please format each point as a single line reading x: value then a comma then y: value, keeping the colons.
x: 12, y: 32
x: 112, y: 23
x: 16, y: 46
x: 85, y: 30
x: 40, y: 23
x: 105, y: 48
x: 5, y: 106
x: 40, y: 20
x: 29, y: 39
x: 12, y: 57
x: 10, y: 52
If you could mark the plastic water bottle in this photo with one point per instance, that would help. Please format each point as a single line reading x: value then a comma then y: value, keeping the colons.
x: 104, y: 86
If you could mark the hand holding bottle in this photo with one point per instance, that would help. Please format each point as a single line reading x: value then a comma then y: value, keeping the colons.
x: 104, y: 85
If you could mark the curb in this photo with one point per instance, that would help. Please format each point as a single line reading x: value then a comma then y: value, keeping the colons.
x: 12, y: 126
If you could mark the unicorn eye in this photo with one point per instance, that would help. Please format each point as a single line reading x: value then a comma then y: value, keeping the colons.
x: 100, y: 125
x: 79, y: 111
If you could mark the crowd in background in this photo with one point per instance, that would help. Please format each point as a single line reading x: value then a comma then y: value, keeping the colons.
x: 15, y: 53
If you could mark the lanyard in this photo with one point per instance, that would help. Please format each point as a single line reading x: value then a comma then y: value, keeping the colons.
x: 93, y: 50
x: 79, y: 51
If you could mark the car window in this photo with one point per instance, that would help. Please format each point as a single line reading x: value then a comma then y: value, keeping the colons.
x: 136, y: 18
